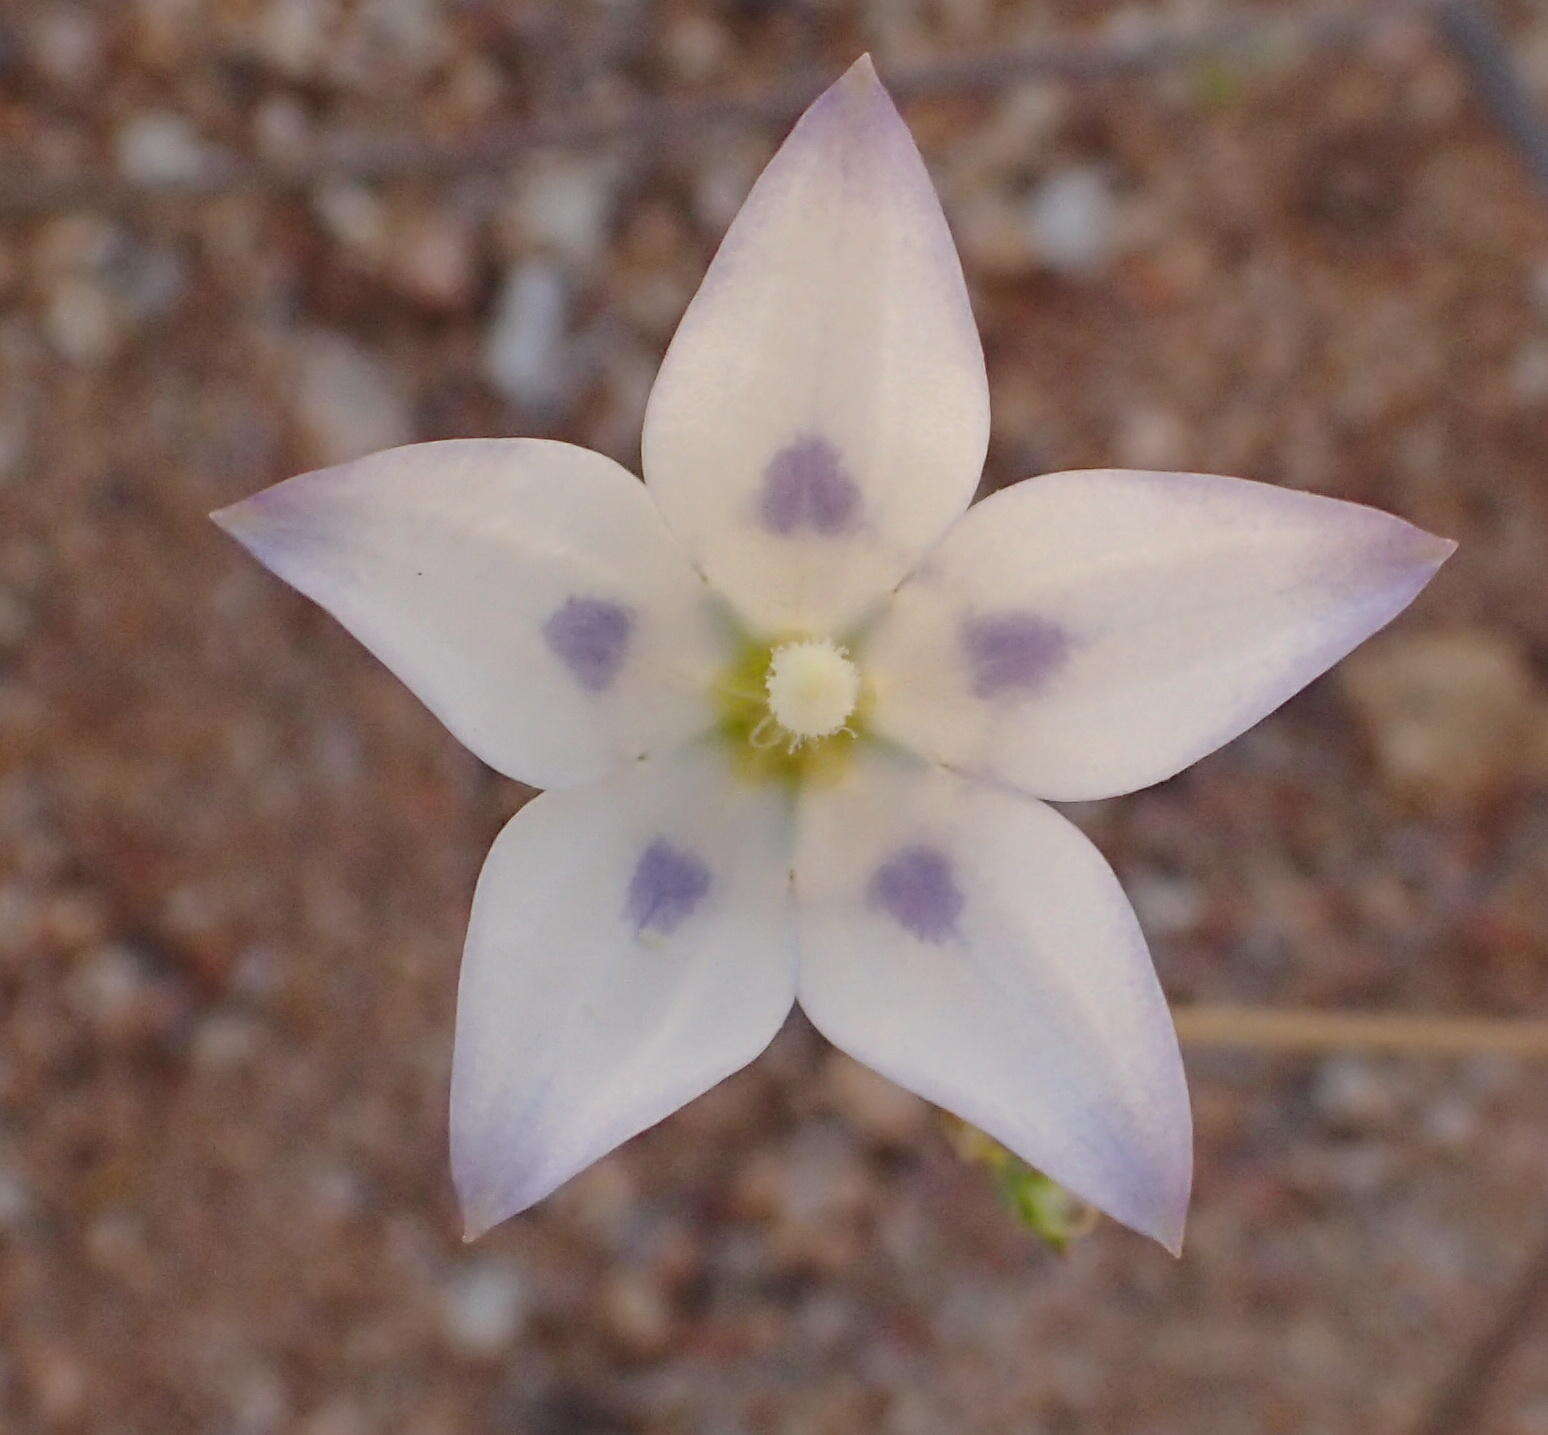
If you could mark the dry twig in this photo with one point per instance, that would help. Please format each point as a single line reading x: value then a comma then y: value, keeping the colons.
x: 1263, y: 1029
x: 1474, y: 34
x: 664, y: 122
x: 1461, y: 1395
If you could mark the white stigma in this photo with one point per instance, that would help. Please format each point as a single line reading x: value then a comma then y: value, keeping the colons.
x: 813, y: 688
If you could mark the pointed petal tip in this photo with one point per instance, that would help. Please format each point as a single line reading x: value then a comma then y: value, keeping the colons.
x: 856, y: 94
x: 1161, y: 1213
x: 1441, y: 548
x: 479, y: 1216
x: 237, y: 522
x: 863, y: 70
x: 1168, y: 1233
x: 1410, y: 544
x: 1412, y: 554
x: 287, y: 520
x: 247, y: 518
x: 1152, y: 1195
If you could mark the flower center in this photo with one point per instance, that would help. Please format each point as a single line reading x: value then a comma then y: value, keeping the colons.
x: 813, y: 688
x: 791, y: 710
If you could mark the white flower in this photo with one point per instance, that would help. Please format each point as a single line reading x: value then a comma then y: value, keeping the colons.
x: 800, y: 711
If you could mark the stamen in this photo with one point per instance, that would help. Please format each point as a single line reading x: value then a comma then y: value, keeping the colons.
x: 766, y: 734
x: 813, y: 688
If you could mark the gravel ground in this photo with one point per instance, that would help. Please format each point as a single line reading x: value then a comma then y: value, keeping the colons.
x: 236, y: 856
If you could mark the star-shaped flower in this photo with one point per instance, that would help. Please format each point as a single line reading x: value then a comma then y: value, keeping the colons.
x: 801, y: 713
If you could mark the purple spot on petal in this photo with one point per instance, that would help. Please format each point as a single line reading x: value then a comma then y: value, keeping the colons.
x: 590, y: 637
x: 1011, y: 652
x: 916, y: 889
x: 805, y: 486
x: 667, y: 885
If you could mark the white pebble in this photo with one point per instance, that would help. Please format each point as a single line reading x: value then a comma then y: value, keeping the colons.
x: 292, y: 35
x: 1529, y: 372
x: 160, y: 148
x: 347, y: 401
x: 524, y: 355
x: 1350, y: 1093
x: 483, y: 1306
x: 1166, y: 905
x: 15, y: 1200
x: 1072, y: 221
x: 282, y: 129
x: 66, y: 45
x: 564, y: 204
x: 225, y: 1041
x: 432, y: 258
x: 109, y: 987
x: 80, y: 322
x: 354, y: 216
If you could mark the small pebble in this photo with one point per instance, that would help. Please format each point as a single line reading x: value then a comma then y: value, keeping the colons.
x: 483, y: 1306
x: 1426, y: 697
x: 226, y: 1040
x: 1352, y: 1095
x: 160, y: 148
x: 563, y: 205
x: 1529, y: 372
x: 81, y: 322
x: 636, y: 1316
x: 110, y: 989
x: 147, y: 280
x: 15, y: 1198
x: 291, y: 35
x: 354, y: 216
x: 337, y: 1417
x: 257, y: 1400
x: 1151, y: 438
x: 1451, y: 1122
x: 524, y: 353
x: 348, y: 403
x: 1072, y: 221
x: 1167, y: 905
x: 65, y: 43
x: 15, y: 616
x: 57, y: 1381
x: 282, y: 130
x: 696, y: 47
x: 430, y: 258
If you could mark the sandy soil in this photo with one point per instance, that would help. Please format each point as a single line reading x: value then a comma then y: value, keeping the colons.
x: 236, y: 856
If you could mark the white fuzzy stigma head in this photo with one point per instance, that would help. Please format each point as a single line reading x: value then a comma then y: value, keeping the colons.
x: 813, y: 688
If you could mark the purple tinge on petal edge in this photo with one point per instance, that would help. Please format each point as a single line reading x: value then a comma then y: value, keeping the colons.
x: 590, y: 637
x: 667, y: 885
x: 1012, y: 652
x: 916, y: 888
x: 805, y: 486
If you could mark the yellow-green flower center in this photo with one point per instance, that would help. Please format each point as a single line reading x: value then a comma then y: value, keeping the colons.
x: 791, y: 710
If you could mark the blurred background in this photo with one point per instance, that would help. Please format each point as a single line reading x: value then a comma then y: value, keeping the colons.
x: 241, y: 238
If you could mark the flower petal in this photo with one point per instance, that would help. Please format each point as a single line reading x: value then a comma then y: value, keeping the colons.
x: 971, y: 945
x: 1086, y: 634
x: 822, y: 413
x: 630, y: 945
x: 527, y: 591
